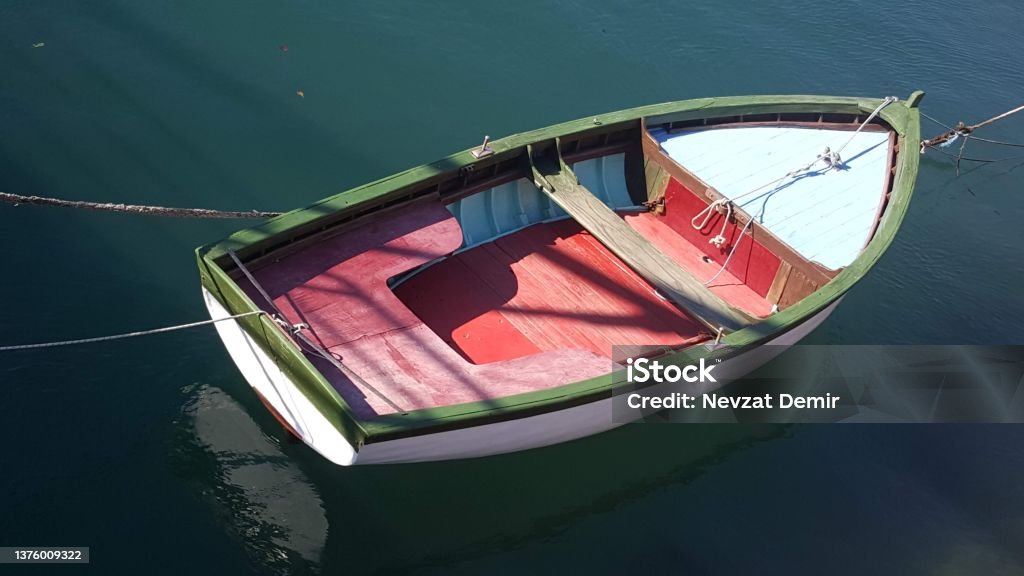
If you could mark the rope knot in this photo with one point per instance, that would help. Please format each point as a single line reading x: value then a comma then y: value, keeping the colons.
x: 717, y: 241
x: 831, y: 158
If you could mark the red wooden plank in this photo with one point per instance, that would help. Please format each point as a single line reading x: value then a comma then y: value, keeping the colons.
x: 556, y: 286
x: 753, y: 264
x: 338, y: 286
x: 494, y: 266
x: 415, y: 369
x: 726, y: 286
x: 539, y: 308
x: 653, y: 320
x: 546, y: 286
x: 464, y: 311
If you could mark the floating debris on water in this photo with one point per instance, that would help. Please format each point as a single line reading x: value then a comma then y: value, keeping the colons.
x: 300, y: 93
x: 39, y: 44
x: 283, y: 47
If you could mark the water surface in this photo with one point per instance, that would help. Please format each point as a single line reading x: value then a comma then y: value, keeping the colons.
x: 155, y: 453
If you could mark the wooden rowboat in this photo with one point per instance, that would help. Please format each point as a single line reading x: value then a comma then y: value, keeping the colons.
x: 470, y: 307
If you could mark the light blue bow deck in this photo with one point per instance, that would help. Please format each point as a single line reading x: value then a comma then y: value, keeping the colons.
x: 827, y: 216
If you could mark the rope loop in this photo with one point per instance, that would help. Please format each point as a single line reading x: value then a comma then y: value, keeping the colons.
x: 706, y: 212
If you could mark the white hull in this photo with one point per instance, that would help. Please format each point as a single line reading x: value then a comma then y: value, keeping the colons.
x: 545, y: 429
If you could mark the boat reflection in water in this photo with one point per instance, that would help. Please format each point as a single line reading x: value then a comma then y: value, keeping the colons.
x: 255, y: 490
x: 443, y: 517
x: 278, y: 500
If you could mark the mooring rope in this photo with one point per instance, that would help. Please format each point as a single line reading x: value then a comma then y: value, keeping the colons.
x: 17, y: 199
x: 964, y: 133
x: 974, y: 137
x: 939, y: 122
x: 963, y: 130
x: 127, y: 335
x: 750, y: 220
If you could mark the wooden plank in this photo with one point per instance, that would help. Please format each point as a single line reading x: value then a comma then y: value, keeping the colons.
x: 678, y: 285
x: 657, y: 179
x: 798, y: 286
x: 779, y: 284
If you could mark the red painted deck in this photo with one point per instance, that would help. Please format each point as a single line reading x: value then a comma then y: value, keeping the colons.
x: 536, y: 309
x: 753, y: 264
x: 727, y: 286
x: 546, y: 287
x: 338, y: 287
x: 553, y: 286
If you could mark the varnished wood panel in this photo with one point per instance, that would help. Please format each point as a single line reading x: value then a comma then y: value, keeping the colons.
x: 779, y: 284
x: 797, y: 287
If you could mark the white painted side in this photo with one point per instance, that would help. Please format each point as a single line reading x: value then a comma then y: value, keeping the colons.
x: 274, y: 385
x: 269, y: 381
x: 553, y: 427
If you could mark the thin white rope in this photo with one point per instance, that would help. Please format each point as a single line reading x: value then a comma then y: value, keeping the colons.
x: 127, y: 335
x: 706, y: 212
x: 729, y: 257
x: 737, y: 244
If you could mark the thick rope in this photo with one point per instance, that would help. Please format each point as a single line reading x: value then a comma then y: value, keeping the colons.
x: 996, y: 118
x: 123, y: 336
x: 719, y: 241
x: 17, y: 199
x: 973, y: 137
x: 961, y: 129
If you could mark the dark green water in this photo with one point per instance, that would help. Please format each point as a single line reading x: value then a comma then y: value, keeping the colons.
x: 154, y: 452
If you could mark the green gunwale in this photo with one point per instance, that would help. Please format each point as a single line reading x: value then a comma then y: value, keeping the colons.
x: 903, y: 117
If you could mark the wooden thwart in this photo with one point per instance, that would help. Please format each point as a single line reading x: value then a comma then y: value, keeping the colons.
x: 559, y: 183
